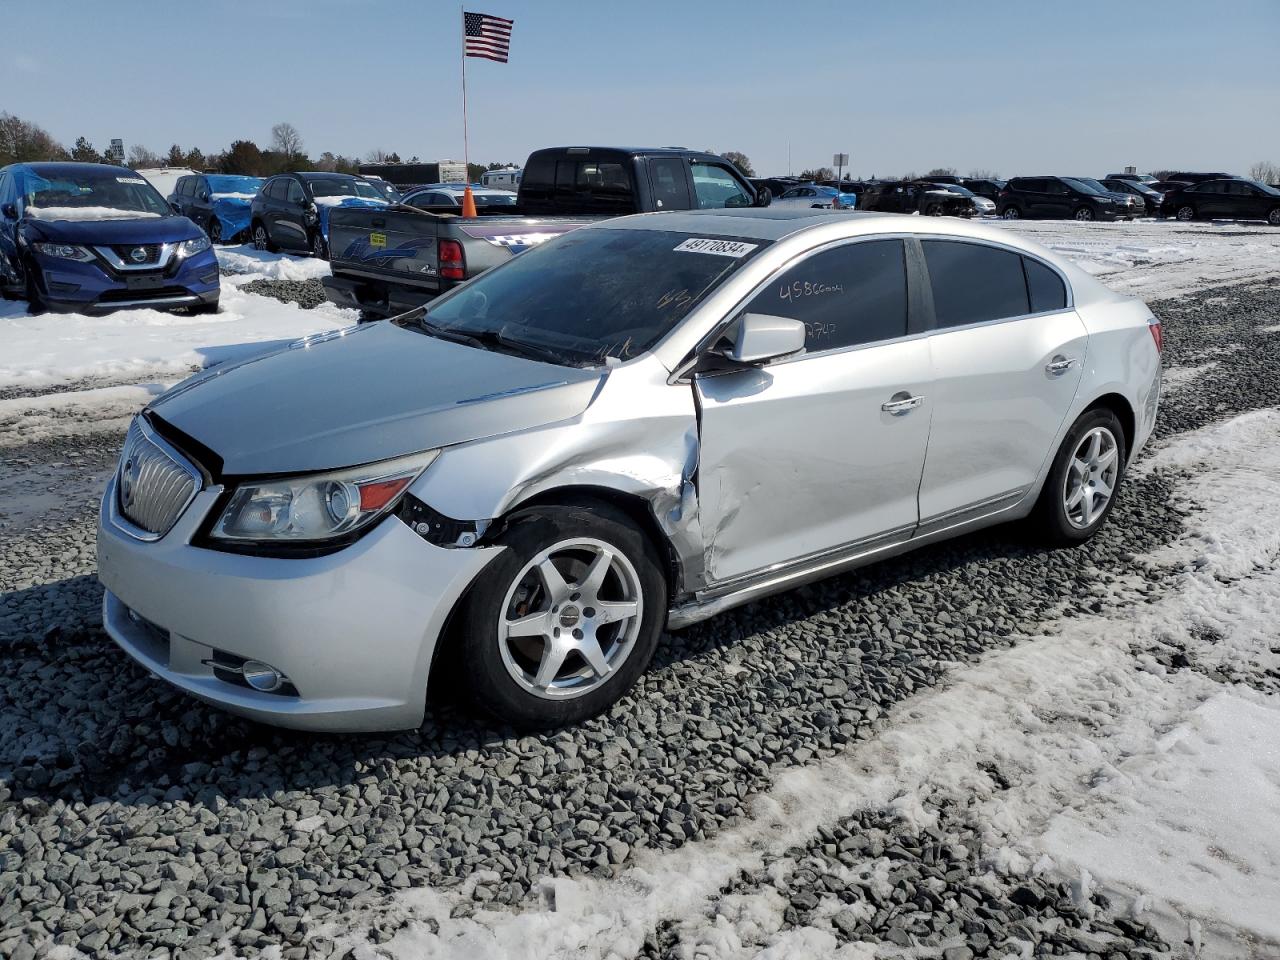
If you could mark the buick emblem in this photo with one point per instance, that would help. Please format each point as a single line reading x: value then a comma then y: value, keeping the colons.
x: 138, y: 254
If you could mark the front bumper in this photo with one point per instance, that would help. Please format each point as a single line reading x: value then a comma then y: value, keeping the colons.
x: 68, y: 286
x: 355, y: 632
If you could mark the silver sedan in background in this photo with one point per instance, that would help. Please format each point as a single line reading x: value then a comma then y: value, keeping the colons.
x: 631, y: 428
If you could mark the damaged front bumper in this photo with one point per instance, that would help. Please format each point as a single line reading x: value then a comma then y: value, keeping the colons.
x: 353, y: 633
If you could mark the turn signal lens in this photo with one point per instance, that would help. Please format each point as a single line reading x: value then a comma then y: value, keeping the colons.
x: 1157, y: 334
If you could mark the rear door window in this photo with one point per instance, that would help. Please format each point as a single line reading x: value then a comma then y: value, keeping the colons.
x: 845, y: 296
x: 974, y: 283
x: 670, y: 183
x: 1045, y: 288
x: 294, y: 194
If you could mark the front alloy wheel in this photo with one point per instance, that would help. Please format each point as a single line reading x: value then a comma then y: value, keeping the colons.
x: 1273, y: 217
x: 570, y: 619
x: 1084, y: 214
x: 565, y: 619
x: 261, y: 239
x: 1011, y: 213
x: 1186, y: 213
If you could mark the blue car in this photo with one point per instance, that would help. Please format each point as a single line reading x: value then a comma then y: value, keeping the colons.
x: 91, y: 238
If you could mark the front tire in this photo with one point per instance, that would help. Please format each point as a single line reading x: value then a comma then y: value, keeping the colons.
x: 1084, y: 215
x: 35, y: 299
x: 215, y: 230
x: 1084, y: 479
x: 262, y: 239
x: 1273, y: 217
x: 1011, y: 213
x: 565, y: 620
x: 1186, y: 213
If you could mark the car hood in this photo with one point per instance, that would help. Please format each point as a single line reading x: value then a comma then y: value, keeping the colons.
x: 366, y: 394
x: 145, y: 230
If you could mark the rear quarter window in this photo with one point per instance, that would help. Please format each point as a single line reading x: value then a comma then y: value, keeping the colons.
x: 1045, y: 288
x: 974, y: 283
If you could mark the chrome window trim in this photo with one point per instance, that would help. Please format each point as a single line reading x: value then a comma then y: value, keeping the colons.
x: 116, y: 515
x: 167, y: 252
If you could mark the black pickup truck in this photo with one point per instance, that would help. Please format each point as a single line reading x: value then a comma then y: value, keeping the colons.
x: 388, y: 260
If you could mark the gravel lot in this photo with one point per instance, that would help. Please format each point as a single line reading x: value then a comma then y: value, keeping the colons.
x: 135, y: 821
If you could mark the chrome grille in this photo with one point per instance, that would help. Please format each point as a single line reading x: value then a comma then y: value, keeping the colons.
x: 154, y: 483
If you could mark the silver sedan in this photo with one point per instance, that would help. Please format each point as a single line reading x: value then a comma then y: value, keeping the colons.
x: 629, y: 429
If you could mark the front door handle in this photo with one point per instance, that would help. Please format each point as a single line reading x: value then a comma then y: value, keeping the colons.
x: 901, y: 403
x: 1059, y: 365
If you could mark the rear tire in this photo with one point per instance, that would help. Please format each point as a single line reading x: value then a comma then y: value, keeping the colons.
x: 1084, y: 214
x: 933, y: 210
x: 543, y: 642
x: 1273, y: 217
x: 319, y: 249
x: 1084, y: 480
x: 1011, y: 212
x: 1186, y: 213
x: 215, y: 230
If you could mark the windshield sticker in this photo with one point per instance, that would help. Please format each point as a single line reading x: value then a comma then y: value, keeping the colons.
x: 137, y: 180
x: 721, y: 248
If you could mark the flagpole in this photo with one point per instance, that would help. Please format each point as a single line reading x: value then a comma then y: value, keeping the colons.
x: 468, y: 201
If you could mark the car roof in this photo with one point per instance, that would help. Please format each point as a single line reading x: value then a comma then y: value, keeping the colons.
x: 587, y: 151
x: 55, y: 167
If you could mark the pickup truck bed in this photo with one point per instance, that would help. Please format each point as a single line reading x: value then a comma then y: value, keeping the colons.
x: 385, y: 261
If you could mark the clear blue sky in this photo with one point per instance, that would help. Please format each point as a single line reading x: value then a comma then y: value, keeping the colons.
x: 1084, y: 87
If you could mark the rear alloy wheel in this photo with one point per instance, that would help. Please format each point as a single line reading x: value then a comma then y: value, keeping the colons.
x: 1011, y: 213
x: 563, y: 622
x: 262, y: 239
x: 1187, y: 212
x: 1084, y: 214
x: 1273, y: 217
x: 1084, y: 478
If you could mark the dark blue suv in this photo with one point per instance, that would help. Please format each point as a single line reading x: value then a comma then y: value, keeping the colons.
x: 89, y: 238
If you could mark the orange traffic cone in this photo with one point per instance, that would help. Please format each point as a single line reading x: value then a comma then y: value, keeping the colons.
x: 468, y: 203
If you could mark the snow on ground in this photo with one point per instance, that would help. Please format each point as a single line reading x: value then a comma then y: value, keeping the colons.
x: 1161, y: 258
x: 28, y: 419
x: 1155, y: 786
x: 246, y: 260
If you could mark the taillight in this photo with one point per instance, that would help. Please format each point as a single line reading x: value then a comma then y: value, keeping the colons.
x: 1157, y: 334
x: 452, y: 264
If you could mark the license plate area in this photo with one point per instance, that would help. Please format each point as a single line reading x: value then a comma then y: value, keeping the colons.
x: 144, y: 283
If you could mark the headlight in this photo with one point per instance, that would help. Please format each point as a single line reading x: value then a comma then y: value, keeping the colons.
x: 189, y: 248
x: 64, y: 251
x: 320, y: 506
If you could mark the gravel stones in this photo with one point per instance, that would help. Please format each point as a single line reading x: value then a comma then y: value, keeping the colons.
x: 133, y: 818
x: 305, y: 293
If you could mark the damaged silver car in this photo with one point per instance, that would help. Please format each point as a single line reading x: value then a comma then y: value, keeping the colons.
x: 633, y: 427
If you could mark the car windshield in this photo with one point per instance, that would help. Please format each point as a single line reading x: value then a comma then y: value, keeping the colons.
x: 952, y: 188
x: 593, y: 294
x: 342, y: 187
x: 1084, y: 186
x: 1266, y: 188
x: 63, y: 194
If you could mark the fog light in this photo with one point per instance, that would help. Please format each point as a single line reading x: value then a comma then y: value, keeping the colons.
x: 262, y: 676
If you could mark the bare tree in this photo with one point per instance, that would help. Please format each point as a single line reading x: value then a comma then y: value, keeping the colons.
x: 818, y: 173
x: 286, y: 140
x: 981, y: 174
x: 1266, y: 171
x: 741, y: 161
x: 376, y: 156
x: 942, y: 172
x: 140, y: 156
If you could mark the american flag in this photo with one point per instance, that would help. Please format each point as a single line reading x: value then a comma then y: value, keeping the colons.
x: 486, y: 36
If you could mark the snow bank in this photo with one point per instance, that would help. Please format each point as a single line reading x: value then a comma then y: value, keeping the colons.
x: 25, y: 420
x: 347, y: 198
x: 258, y: 264
x: 232, y: 196
x: 87, y: 213
x: 131, y: 345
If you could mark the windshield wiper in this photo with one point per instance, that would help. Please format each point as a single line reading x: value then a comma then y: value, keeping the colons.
x: 486, y: 339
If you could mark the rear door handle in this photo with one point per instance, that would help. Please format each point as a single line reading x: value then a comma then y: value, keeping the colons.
x: 901, y: 403
x: 1059, y: 365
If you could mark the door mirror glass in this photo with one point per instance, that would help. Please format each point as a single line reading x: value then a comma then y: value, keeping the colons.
x: 204, y: 195
x: 10, y: 211
x: 763, y: 197
x: 759, y: 338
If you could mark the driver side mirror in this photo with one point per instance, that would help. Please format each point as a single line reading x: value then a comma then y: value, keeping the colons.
x: 763, y: 197
x: 204, y: 196
x: 10, y: 211
x: 760, y: 337
x: 177, y: 207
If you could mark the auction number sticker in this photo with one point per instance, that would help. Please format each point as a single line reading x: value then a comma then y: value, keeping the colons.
x: 721, y: 248
x: 137, y: 180
x: 378, y: 241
